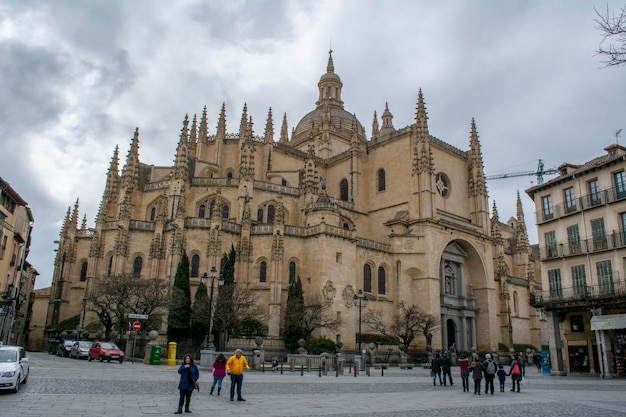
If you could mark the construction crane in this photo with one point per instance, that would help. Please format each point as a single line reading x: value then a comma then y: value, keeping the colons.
x: 540, y: 172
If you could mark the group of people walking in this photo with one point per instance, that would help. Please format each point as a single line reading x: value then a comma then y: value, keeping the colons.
x: 189, y: 375
x: 486, y: 369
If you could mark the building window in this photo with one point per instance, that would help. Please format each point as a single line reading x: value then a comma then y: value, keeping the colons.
x: 152, y: 213
x: 283, y: 182
x: 570, y: 200
x: 259, y: 215
x: 620, y: 185
x: 579, y: 279
x: 515, y: 304
x: 263, y: 272
x: 367, y: 278
x: 604, y: 270
x: 576, y: 323
x: 137, y: 263
x: 554, y: 280
x: 381, y: 180
x: 83, y: 271
x: 225, y: 211
x: 292, y: 272
x: 620, y: 236
x: 110, y: 267
x: 594, y: 193
x: 550, y: 239
x: 381, y: 281
x: 201, y: 211
x: 443, y: 185
x: 195, y: 266
x: 599, y: 235
x: 211, y: 207
x: 573, y: 240
x: 547, y: 207
x: 343, y: 190
x: 271, y: 211
x: 229, y: 176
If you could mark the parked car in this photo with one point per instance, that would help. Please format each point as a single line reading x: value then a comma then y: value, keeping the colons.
x: 65, y: 346
x: 80, y: 350
x: 14, y: 367
x: 105, y: 351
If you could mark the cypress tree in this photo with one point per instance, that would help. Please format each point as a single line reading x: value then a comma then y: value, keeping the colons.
x: 294, y: 316
x: 179, y: 317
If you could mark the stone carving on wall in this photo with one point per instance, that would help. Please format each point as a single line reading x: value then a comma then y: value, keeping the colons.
x: 348, y: 296
x: 328, y: 292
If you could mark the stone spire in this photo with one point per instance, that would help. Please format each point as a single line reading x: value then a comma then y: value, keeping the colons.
x: 387, y: 119
x: 496, y: 233
x: 421, y: 117
x: 246, y: 157
x: 243, y: 126
x: 269, y: 129
x: 521, y: 233
x: 375, y: 130
x: 74, y: 219
x: 477, y: 181
x: 193, y: 137
x: 111, y: 187
x: 422, y: 154
x: 130, y: 172
x: 221, y: 124
x: 203, y: 132
x: 310, y: 180
x: 181, y: 162
x: 83, y: 225
x: 284, y: 132
x: 330, y: 86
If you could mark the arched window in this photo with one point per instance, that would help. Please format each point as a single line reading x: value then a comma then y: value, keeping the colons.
x: 110, y: 267
x: 283, y: 182
x: 259, y: 215
x: 381, y: 280
x: 381, y: 180
x: 225, y: 211
x: 292, y: 272
x: 229, y: 175
x: 137, y: 267
x: 270, y: 213
x: 263, y: 272
x: 367, y: 278
x: 346, y: 226
x: 202, y: 211
x: 152, y: 213
x: 195, y: 266
x: 343, y: 190
x: 83, y: 271
x: 211, y: 207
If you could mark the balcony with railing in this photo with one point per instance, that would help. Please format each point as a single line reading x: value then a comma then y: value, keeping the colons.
x: 615, y: 240
x: 585, y: 202
x: 611, y: 291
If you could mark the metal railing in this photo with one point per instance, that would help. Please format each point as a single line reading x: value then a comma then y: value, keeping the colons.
x: 606, y: 291
x: 615, y: 240
x: 585, y: 202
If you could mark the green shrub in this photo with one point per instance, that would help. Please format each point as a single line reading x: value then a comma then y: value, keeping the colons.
x: 320, y: 345
x: 249, y: 328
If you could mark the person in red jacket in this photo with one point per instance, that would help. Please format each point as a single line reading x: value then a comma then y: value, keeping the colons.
x: 219, y: 373
x: 516, y: 373
x: 464, y: 365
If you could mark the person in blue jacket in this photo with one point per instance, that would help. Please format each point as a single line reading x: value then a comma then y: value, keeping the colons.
x: 189, y: 374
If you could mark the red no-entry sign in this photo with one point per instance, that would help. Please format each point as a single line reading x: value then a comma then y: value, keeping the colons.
x: 137, y: 326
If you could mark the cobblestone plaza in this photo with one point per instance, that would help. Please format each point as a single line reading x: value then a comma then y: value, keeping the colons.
x: 72, y: 388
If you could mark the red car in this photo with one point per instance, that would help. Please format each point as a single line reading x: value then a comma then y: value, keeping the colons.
x: 105, y: 351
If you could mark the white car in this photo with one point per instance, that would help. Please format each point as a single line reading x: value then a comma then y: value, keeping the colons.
x: 13, y: 367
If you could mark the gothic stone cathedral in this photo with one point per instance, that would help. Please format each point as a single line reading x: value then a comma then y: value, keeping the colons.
x: 401, y: 215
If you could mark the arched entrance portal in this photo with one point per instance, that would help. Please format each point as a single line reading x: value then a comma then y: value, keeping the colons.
x: 458, y: 307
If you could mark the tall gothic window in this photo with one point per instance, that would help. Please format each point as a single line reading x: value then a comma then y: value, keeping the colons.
x: 263, y: 272
x: 343, y: 190
x: 381, y: 281
x: 202, y: 211
x: 110, y: 267
x: 259, y: 215
x: 271, y: 211
x: 137, y: 263
x: 381, y: 180
x: 292, y: 272
x: 83, y: 271
x: 195, y: 266
x: 367, y: 278
x: 225, y: 211
x: 152, y: 213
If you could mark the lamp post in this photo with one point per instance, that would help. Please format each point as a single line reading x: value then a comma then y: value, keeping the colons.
x: 220, y: 282
x: 360, y: 300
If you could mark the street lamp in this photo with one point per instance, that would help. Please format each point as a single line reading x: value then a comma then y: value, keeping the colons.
x: 220, y: 282
x: 360, y: 300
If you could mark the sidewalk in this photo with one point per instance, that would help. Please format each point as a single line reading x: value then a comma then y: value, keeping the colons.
x: 61, y: 387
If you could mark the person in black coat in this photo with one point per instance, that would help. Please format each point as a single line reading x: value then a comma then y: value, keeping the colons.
x: 477, y: 374
x: 436, y: 368
x: 446, y: 363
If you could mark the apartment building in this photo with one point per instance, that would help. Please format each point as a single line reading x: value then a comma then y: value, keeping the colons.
x: 581, y: 221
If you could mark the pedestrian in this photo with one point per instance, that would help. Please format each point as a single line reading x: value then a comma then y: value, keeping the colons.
x: 219, y: 372
x: 501, y: 377
x: 516, y: 373
x: 435, y: 367
x: 523, y: 360
x: 490, y: 373
x: 189, y: 375
x: 477, y: 374
x: 235, y: 367
x: 464, y: 365
x: 537, y: 360
x: 274, y: 365
x: 446, y: 363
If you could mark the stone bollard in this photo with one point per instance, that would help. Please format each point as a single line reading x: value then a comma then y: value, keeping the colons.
x: 152, y: 335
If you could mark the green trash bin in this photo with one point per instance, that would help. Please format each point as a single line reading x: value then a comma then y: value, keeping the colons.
x: 52, y: 346
x: 155, y: 355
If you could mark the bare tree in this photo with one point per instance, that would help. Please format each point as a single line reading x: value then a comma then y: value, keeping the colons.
x: 613, y: 27
x: 407, y: 322
x: 317, y: 315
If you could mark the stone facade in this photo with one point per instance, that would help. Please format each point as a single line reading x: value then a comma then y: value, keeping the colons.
x: 400, y: 214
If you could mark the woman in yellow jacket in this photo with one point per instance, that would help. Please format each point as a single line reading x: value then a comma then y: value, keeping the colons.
x: 235, y: 366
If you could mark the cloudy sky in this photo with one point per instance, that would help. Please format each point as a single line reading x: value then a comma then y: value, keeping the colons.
x: 77, y: 77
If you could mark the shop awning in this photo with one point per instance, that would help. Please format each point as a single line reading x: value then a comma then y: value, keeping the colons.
x: 608, y: 322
